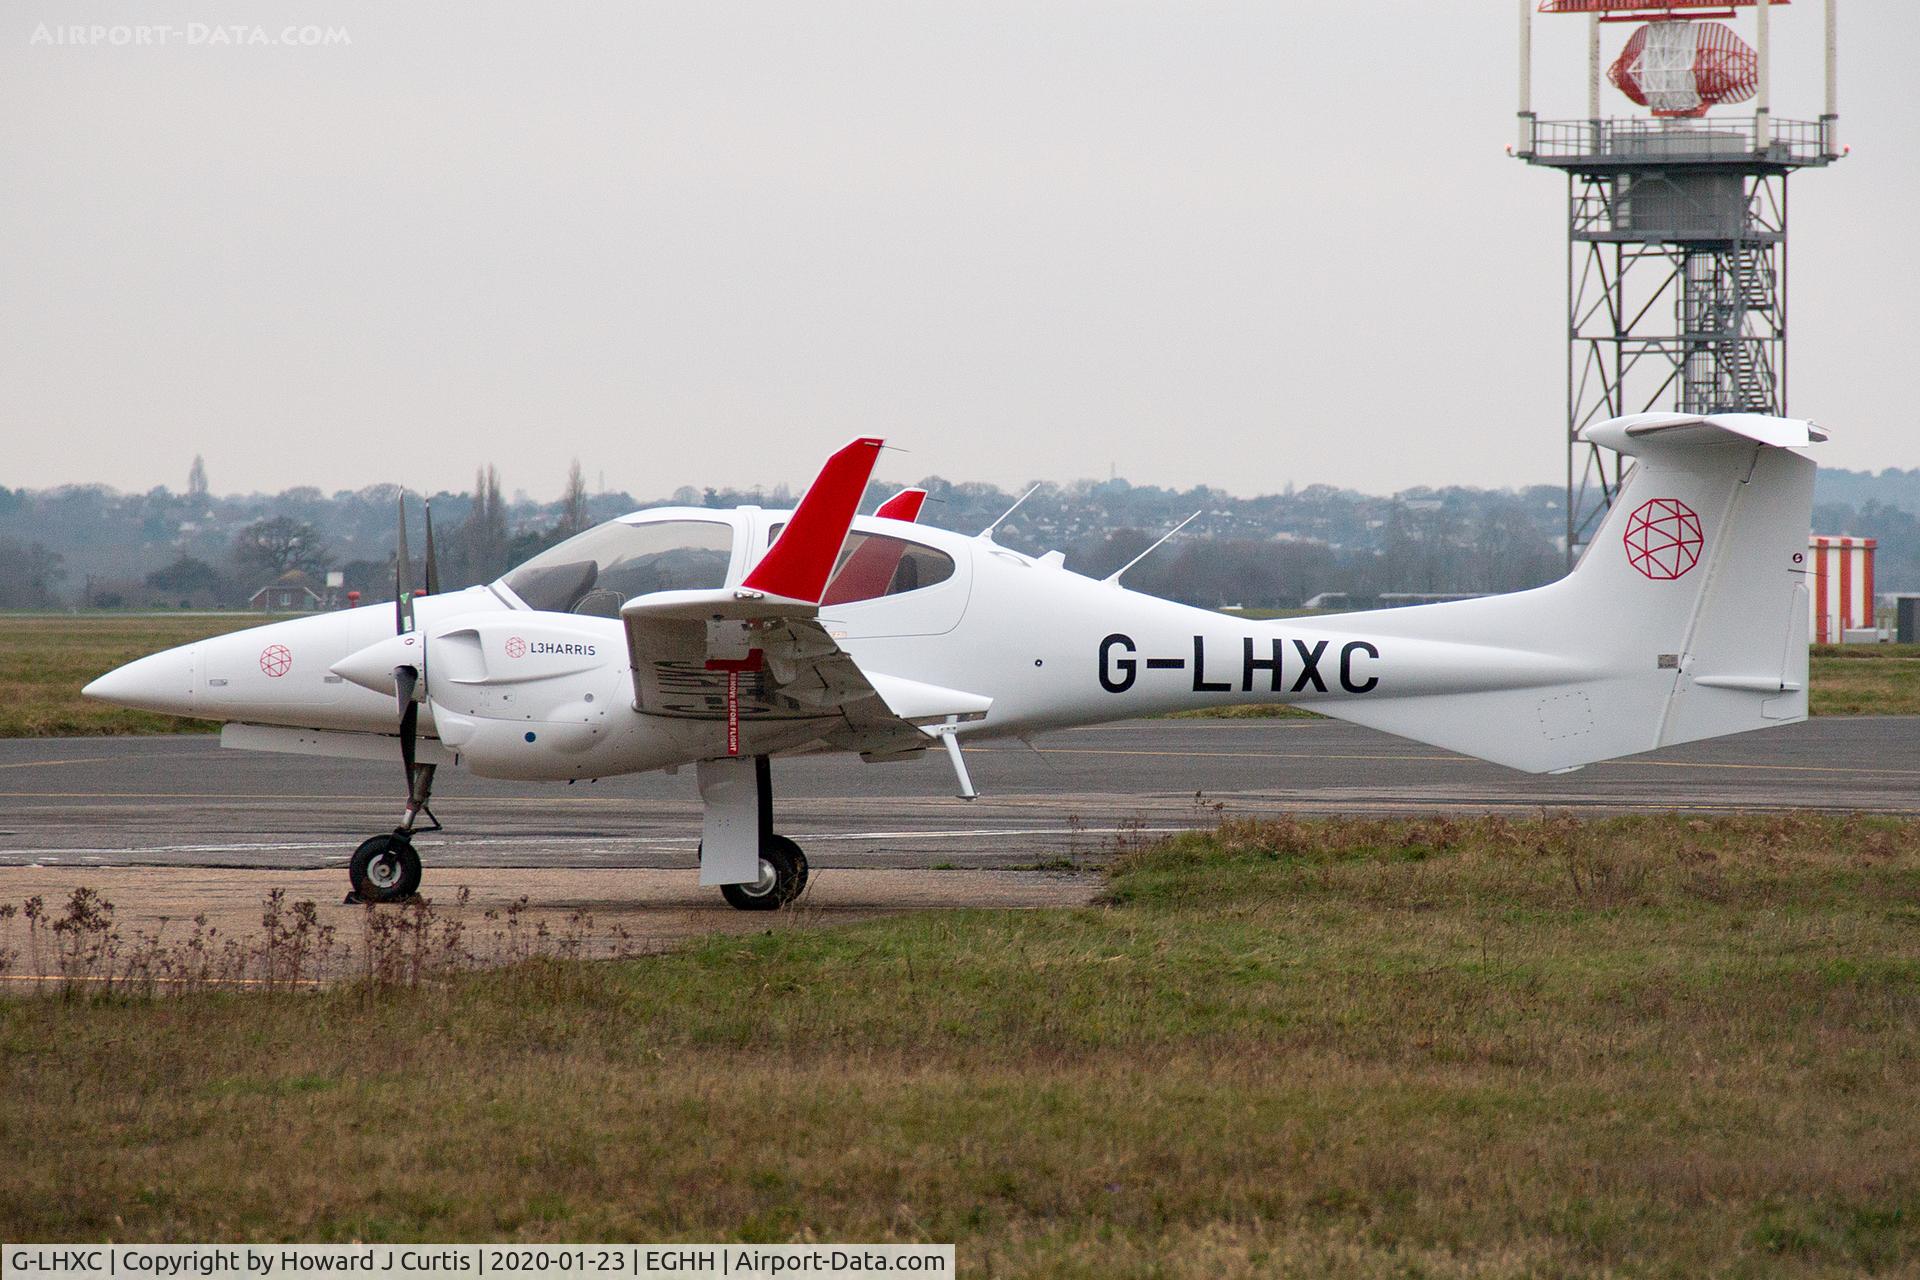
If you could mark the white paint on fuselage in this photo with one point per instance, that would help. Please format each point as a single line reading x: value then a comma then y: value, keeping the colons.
x: 1052, y: 648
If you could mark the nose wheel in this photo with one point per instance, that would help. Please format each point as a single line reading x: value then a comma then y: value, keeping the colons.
x: 783, y: 877
x: 385, y: 869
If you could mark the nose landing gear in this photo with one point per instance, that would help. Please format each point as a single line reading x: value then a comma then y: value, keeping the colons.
x: 386, y: 868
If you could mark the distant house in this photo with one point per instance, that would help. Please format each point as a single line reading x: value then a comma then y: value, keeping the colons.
x: 289, y: 593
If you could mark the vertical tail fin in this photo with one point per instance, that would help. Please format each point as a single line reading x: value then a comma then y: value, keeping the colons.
x: 1686, y: 618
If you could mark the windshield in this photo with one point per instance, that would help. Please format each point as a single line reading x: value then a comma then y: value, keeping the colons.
x: 598, y: 571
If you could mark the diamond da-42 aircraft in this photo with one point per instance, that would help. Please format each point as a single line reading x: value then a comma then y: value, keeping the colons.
x: 718, y: 639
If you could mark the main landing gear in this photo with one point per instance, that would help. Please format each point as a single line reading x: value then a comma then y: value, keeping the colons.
x: 754, y: 868
x: 782, y: 878
x: 386, y: 868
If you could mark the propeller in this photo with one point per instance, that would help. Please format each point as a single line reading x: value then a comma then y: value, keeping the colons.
x: 402, y: 577
x: 406, y: 676
x: 433, y: 565
x: 404, y: 681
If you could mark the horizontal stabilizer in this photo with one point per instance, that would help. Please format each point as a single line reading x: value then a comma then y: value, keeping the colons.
x: 1634, y: 433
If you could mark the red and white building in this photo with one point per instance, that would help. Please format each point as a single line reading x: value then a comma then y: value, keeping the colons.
x: 1840, y: 586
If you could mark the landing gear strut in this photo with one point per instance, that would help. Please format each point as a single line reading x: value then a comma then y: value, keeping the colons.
x: 755, y: 869
x: 386, y: 868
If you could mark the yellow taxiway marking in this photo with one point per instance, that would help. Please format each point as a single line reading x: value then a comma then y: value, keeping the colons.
x: 1323, y: 755
x: 41, y: 764
x: 278, y: 797
x: 1233, y: 755
x: 1781, y: 768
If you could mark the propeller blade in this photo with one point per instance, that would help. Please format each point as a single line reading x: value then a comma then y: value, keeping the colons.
x: 433, y: 564
x: 402, y: 577
x: 405, y: 680
x: 409, y: 728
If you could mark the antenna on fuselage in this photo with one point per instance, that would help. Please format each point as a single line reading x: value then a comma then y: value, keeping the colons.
x: 988, y: 531
x: 1114, y: 577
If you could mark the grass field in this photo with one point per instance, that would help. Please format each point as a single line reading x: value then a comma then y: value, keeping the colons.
x: 1865, y: 680
x: 1487, y: 1048
x: 46, y: 659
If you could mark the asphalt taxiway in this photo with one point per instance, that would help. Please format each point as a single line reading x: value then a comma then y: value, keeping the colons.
x: 1075, y: 796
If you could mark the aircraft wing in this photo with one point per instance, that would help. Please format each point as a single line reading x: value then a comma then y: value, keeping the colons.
x: 782, y: 665
x: 757, y: 652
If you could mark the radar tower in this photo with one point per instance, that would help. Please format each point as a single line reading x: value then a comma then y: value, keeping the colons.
x: 1676, y: 223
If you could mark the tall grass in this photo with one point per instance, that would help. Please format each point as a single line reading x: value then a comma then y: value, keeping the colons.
x: 1443, y: 1047
x: 80, y: 949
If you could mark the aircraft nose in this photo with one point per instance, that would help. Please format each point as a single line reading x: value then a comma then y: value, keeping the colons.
x: 162, y: 682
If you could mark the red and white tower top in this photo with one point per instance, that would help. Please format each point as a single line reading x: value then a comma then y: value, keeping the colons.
x: 1640, y: 10
x: 1680, y: 64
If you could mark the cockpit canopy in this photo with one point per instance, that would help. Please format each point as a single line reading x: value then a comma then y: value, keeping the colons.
x: 598, y: 571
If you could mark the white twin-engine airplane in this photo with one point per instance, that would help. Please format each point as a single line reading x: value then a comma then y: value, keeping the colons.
x: 720, y: 638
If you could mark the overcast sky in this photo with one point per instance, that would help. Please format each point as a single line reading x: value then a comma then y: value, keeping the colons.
x: 1244, y: 245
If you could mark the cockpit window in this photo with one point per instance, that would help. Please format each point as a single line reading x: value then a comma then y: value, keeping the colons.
x: 872, y: 565
x: 875, y: 564
x: 598, y: 571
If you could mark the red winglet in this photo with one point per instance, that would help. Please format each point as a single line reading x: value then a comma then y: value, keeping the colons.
x: 867, y: 572
x: 801, y: 559
x: 904, y: 505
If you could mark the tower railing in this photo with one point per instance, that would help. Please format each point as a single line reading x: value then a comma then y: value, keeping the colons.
x: 1730, y: 138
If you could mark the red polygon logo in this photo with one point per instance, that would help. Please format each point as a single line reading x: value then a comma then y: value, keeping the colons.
x: 1663, y: 539
x: 516, y: 647
x: 276, y: 660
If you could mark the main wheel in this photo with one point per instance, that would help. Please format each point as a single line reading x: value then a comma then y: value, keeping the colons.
x: 783, y: 876
x: 385, y: 869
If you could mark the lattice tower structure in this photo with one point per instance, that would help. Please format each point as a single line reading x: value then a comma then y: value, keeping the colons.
x: 1676, y: 227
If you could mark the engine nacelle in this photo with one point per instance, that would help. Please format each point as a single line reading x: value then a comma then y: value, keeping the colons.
x: 527, y: 695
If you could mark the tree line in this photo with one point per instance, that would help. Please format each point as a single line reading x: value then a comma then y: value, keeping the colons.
x: 89, y: 545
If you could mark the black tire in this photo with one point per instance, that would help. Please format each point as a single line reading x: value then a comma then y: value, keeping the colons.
x: 385, y: 869
x: 783, y: 877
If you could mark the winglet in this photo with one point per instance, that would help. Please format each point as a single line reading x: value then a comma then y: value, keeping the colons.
x: 801, y: 559
x: 904, y: 505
